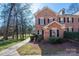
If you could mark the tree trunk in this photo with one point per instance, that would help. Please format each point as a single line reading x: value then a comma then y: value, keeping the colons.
x: 8, y: 22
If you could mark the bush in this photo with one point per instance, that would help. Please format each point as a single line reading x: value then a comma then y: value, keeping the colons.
x: 36, y: 37
x: 71, y: 35
x: 39, y: 38
x: 55, y: 40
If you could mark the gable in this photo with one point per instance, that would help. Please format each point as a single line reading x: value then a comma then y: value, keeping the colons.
x: 45, y: 12
x: 54, y: 24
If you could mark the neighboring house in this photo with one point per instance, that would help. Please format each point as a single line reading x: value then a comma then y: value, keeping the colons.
x: 49, y: 23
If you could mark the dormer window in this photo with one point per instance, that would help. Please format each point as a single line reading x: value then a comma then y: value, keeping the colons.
x: 62, y: 11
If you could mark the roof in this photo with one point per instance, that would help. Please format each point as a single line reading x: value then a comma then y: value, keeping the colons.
x: 76, y: 13
x: 44, y: 9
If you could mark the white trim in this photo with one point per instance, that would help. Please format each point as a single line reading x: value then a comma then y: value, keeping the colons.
x: 41, y: 17
x: 54, y: 22
x: 54, y: 28
x: 63, y: 26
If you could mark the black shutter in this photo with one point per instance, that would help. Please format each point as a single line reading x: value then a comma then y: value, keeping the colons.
x: 43, y: 34
x: 50, y: 33
x: 72, y: 20
x: 78, y: 29
x: 48, y: 20
x: 78, y: 19
x: 38, y: 32
x: 72, y: 29
x: 67, y: 29
x: 44, y: 21
x: 53, y: 19
x: 38, y: 21
x: 64, y: 19
x: 67, y: 19
x: 59, y: 19
x: 57, y: 33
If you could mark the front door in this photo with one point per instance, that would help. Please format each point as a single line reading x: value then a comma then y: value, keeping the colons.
x: 54, y: 33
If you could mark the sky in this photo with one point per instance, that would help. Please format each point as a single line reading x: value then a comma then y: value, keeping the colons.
x: 54, y: 6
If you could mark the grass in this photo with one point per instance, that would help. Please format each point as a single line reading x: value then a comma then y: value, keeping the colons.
x: 10, y: 42
x: 29, y: 49
x: 7, y: 45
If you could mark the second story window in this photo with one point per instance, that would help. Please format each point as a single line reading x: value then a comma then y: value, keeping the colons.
x: 70, y: 20
x: 50, y: 19
x: 41, y: 21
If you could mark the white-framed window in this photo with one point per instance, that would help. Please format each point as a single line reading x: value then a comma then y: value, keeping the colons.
x: 70, y: 29
x: 50, y: 19
x: 39, y: 32
x: 61, y: 20
x: 36, y: 21
x: 70, y: 20
x: 42, y: 20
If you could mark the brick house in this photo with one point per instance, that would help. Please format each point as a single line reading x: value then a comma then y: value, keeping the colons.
x: 49, y: 23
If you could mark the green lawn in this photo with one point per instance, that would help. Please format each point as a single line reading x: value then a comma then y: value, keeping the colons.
x: 4, y: 46
x: 7, y: 43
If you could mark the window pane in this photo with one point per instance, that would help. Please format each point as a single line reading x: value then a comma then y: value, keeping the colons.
x: 62, y: 21
x: 41, y: 21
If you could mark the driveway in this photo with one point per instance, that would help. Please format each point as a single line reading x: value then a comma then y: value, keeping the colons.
x: 11, y: 51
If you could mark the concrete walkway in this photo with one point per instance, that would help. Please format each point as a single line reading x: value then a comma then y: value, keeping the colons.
x: 11, y: 51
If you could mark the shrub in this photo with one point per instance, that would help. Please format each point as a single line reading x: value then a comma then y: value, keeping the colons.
x: 36, y: 37
x: 71, y: 35
x: 55, y: 40
x: 39, y: 38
